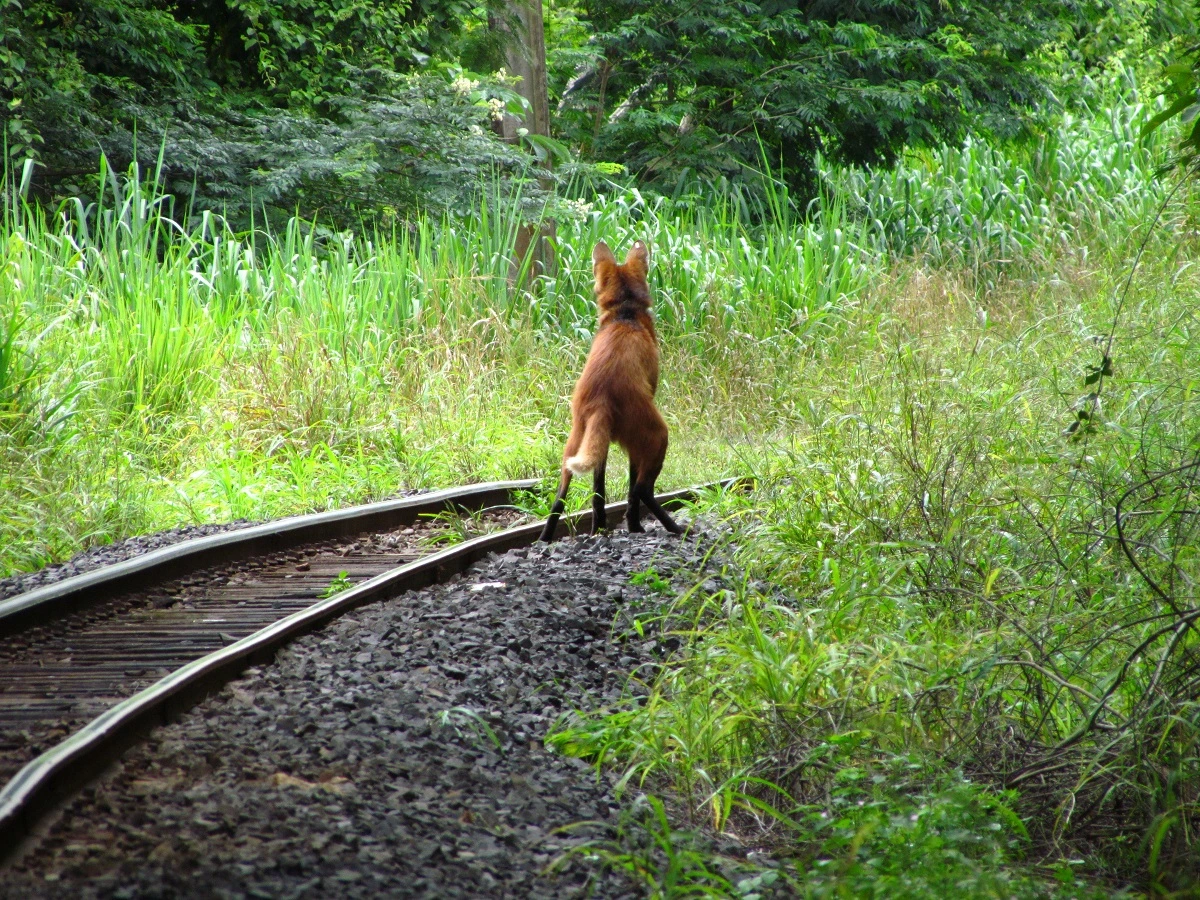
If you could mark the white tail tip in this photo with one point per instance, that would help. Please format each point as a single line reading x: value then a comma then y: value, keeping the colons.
x: 579, y: 466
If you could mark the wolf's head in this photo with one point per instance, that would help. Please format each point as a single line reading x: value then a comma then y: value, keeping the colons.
x: 621, y: 284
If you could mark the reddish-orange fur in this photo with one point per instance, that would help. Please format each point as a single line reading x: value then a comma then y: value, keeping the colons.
x: 614, y: 397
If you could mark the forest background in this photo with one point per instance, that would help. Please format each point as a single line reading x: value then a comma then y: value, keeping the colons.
x: 925, y: 269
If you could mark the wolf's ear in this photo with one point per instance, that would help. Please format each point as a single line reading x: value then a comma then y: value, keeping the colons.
x: 603, y: 254
x: 638, y: 258
x: 604, y: 264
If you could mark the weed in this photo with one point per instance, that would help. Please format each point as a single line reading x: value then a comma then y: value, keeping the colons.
x: 651, y: 580
x: 465, y: 720
x: 451, y: 528
x: 340, y: 582
x: 666, y: 862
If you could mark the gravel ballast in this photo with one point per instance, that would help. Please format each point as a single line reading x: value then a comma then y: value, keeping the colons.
x: 396, y: 753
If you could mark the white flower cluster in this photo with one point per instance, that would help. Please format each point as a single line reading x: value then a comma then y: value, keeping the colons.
x: 578, y: 208
x: 463, y: 85
x: 496, y: 108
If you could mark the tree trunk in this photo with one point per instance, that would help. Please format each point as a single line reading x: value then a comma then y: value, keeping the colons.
x: 525, y: 50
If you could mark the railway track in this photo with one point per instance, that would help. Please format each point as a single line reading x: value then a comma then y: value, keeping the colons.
x: 91, y: 663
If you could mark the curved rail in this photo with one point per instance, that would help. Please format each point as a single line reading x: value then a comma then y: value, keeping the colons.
x: 52, y: 777
x: 70, y: 594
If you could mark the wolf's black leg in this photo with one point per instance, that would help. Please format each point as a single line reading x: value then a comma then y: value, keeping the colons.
x: 564, y: 482
x: 633, y: 513
x: 599, y: 519
x: 646, y: 490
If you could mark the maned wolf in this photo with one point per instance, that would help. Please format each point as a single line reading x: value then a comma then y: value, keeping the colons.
x: 614, y: 397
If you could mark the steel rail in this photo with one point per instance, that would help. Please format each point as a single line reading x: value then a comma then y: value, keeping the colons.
x: 48, y: 780
x: 55, y: 600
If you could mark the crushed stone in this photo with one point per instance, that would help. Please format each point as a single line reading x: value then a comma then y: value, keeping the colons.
x: 398, y: 752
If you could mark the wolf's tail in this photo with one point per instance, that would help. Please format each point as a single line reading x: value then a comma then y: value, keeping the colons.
x: 593, y: 449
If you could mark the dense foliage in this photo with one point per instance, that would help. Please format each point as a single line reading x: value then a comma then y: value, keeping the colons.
x: 313, y: 103
x: 699, y: 84
x: 680, y: 88
x: 349, y: 108
x: 1181, y: 91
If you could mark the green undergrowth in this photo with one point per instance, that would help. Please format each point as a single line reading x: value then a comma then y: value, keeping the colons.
x: 158, y: 368
x: 959, y: 654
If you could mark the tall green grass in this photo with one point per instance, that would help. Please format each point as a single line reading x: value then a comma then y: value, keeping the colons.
x: 1077, y: 187
x: 198, y: 350
x: 223, y: 374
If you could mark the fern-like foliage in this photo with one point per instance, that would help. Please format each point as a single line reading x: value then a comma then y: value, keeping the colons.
x: 682, y: 90
x: 316, y: 106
